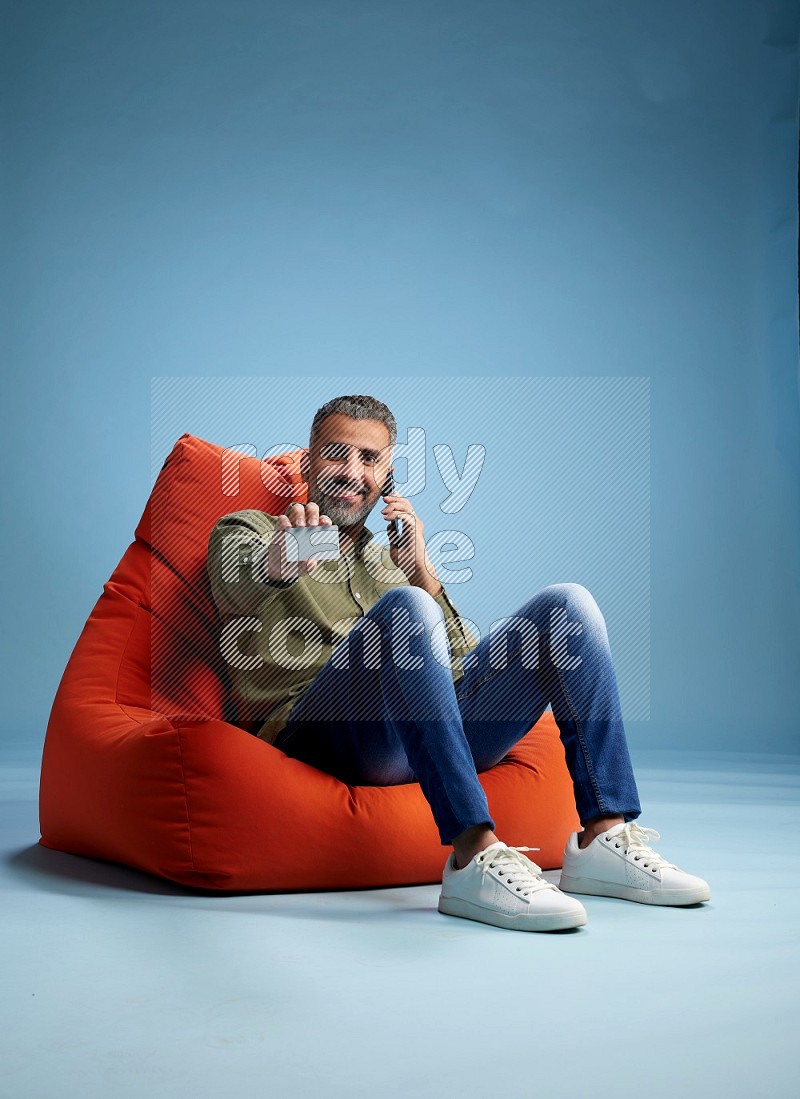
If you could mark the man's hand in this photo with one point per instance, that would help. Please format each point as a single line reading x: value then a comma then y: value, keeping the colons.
x: 409, y: 552
x: 296, y: 515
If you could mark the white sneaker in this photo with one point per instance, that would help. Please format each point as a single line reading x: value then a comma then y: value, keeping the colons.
x: 619, y: 863
x: 502, y: 887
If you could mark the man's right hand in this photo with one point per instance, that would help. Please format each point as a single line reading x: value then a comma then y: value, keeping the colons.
x: 296, y: 515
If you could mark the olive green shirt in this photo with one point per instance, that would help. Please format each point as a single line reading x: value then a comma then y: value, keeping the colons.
x: 272, y: 660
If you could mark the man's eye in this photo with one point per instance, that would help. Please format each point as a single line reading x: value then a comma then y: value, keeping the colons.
x: 333, y: 452
x: 369, y: 459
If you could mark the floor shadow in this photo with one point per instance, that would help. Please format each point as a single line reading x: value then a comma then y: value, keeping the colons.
x: 43, y: 869
x: 46, y: 870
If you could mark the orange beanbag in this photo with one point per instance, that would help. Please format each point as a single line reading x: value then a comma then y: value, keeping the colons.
x: 141, y: 767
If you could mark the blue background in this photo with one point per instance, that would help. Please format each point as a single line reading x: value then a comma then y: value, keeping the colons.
x: 313, y: 192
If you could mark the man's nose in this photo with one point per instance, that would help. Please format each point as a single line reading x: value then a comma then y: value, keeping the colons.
x: 354, y: 470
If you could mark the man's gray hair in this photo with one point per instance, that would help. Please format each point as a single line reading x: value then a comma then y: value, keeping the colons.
x: 357, y: 407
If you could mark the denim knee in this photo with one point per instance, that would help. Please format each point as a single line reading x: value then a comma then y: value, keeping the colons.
x: 410, y: 613
x: 560, y: 611
x: 577, y: 600
x: 576, y: 595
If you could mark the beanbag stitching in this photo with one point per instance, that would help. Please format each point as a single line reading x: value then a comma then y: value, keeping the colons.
x: 185, y: 797
x: 162, y: 717
x: 136, y: 608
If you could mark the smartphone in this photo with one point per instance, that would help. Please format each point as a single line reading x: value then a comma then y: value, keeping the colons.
x: 388, y: 486
x: 320, y: 542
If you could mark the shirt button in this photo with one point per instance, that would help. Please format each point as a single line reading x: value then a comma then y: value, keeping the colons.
x: 357, y: 594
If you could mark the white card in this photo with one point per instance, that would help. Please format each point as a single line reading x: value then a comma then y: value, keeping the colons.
x: 320, y: 542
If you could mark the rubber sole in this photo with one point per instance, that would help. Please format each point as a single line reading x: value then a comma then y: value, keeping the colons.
x: 672, y: 897
x: 546, y: 921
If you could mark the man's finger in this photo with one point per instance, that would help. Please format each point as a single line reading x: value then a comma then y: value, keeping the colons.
x: 296, y: 514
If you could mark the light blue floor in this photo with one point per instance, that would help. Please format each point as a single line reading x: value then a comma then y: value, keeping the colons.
x: 115, y: 983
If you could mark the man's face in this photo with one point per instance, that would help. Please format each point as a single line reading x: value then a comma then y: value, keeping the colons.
x: 348, y: 464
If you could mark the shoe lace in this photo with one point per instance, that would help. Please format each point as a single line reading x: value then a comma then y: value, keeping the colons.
x: 635, y: 840
x: 515, y: 868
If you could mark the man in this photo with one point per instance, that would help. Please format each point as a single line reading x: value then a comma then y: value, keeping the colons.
x: 362, y: 668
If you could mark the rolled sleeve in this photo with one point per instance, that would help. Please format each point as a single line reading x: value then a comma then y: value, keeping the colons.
x: 237, y: 558
x: 462, y: 640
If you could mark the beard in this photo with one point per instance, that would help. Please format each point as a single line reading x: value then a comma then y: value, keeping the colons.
x: 340, y: 512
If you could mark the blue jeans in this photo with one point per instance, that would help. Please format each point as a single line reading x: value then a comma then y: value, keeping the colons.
x: 384, y: 710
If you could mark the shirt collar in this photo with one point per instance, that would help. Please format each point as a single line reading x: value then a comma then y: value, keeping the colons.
x: 363, y: 538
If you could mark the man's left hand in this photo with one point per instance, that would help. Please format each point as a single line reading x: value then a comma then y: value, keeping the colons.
x: 409, y: 553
